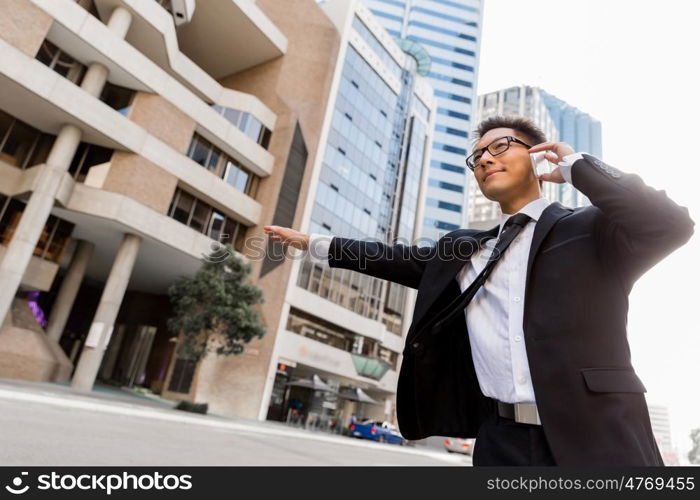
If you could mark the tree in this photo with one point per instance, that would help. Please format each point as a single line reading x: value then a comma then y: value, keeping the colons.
x: 694, y: 453
x: 213, y: 308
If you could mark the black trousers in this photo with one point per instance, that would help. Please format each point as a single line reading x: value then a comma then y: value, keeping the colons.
x: 503, y: 441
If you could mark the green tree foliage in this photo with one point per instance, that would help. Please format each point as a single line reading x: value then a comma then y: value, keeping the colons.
x: 213, y: 308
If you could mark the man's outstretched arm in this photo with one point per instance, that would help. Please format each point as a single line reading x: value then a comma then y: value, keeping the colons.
x: 402, y: 264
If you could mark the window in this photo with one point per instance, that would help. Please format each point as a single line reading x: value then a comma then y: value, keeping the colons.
x: 223, y: 166
x: 236, y: 175
x: 86, y: 156
x: 181, y: 208
x: 204, y: 153
x: 445, y: 185
x: 60, y: 62
x: 116, y: 97
x: 22, y: 146
x: 54, y: 237
x: 203, y: 218
x: 182, y: 375
x: 512, y: 95
x: 247, y: 123
x: 308, y: 325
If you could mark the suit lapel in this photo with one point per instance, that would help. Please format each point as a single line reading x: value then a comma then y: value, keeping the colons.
x: 446, y: 269
x: 549, y: 217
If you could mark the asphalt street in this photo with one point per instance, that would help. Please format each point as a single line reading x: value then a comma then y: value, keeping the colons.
x: 43, y: 426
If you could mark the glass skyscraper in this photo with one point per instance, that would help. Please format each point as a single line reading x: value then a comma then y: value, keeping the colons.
x: 370, y: 180
x: 450, y: 32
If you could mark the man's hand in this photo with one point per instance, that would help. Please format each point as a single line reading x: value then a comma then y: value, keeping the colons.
x: 557, y: 152
x: 288, y: 236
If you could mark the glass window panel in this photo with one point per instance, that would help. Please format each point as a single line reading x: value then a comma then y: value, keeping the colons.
x: 5, y: 125
x: 41, y: 150
x: 200, y: 216
x: 18, y: 144
x: 213, y: 162
x: 217, y: 225
x: 199, y: 150
x: 230, y: 230
x: 118, y: 98
x: 183, y: 207
x: 241, y: 180
x: 232, y: 115
x: 245, y: 117
x: 253, y: 129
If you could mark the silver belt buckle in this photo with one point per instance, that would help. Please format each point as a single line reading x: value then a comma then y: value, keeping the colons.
x: 527, y: 413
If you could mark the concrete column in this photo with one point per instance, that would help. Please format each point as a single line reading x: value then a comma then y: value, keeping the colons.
x: 119, y: 22
x: 21, y: 248
x: 106, y: 315
x: 36, y: 213
x: 69, y: 289
x: 95, y: 79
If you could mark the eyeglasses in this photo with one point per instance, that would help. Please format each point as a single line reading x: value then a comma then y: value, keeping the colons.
x: 496, y: 147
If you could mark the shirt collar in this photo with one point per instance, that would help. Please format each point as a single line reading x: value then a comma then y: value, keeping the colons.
x: 534, y: 209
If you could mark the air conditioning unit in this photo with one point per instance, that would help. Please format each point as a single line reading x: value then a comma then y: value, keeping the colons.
x: 182, y: 11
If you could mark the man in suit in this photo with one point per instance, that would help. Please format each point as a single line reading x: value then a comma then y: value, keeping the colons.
x: 518, y: 335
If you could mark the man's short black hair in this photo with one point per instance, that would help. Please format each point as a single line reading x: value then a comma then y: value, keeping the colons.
x: 530, y: 132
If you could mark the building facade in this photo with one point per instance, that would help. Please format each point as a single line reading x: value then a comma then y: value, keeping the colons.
x: 558, y: 120
x: 342, y: 326
x: 450, y: 32
x: 131, y: 147
x: 124, y: 161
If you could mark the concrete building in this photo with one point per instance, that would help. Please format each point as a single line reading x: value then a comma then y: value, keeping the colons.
x: 558, y: 120
x: 124, y: 160
x: 135, y: 136
x: 450, y: 32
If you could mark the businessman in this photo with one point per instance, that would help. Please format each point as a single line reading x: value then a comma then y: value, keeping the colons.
x: 518, y: 335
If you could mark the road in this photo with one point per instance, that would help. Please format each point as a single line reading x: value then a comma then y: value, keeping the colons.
x: 43, y: 426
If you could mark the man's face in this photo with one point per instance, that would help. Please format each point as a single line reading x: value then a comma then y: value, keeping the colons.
x: 502, y: 176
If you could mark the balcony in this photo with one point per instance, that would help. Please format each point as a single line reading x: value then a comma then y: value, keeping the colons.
x: 216, y: 26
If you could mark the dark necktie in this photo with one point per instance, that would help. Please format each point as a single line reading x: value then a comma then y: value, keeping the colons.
x: 511, y: 228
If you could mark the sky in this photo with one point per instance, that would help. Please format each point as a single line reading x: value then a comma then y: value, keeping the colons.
x: 632, y: 65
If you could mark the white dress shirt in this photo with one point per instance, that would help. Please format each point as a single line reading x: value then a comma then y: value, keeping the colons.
x: 495, y: 315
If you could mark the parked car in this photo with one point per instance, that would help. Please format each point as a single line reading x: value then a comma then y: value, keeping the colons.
x: 459, y: 445
x: 382, y: 432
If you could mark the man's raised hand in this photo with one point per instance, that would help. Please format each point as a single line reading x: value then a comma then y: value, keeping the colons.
x: 556, y: 151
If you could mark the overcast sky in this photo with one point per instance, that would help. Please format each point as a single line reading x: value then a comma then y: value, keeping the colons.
x: 633, y: 65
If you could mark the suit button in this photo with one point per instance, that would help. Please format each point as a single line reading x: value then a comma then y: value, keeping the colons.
x: 416, y: 345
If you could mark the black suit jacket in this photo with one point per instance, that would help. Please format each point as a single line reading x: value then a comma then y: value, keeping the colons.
x: 582, y: 265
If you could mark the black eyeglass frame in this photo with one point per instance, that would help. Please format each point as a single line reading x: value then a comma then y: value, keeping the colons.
x: 509, y: 138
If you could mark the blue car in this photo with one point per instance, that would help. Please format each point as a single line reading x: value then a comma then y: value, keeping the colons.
x: 382, y: 432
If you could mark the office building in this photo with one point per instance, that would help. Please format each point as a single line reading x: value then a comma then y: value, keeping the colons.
x: 345, y: 327
x: 661, y: 427
x: 450, y: 32
x: 138, y: 135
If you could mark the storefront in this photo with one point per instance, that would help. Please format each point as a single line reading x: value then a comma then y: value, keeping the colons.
x: 307, y: 397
